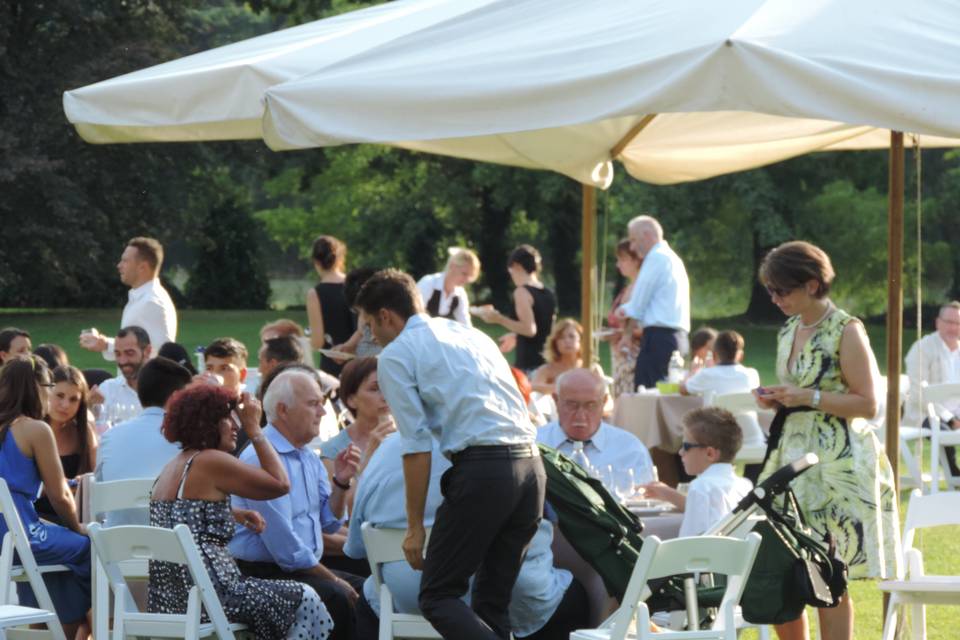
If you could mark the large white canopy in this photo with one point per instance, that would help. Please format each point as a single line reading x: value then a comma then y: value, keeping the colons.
x: 675, y: 89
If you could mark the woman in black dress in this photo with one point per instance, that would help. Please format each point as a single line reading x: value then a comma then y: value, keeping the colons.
x: 331, y: 320
x: 534, y: 310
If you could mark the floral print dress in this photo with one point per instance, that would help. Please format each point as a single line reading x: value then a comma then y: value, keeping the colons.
x: 850, y: 494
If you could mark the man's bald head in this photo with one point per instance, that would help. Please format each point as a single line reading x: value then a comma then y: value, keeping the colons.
x: 580, y: 397
x: 644, y: 232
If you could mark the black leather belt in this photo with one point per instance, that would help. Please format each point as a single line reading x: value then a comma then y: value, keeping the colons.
x: 496, y: 452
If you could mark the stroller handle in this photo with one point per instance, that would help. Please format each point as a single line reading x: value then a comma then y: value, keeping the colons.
x: 779, y: 481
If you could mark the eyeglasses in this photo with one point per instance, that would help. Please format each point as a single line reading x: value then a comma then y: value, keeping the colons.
x: 778, y: 292
x: 686, y: 446
x: 573, y: 406
x: 47, y: 385
x: 950, y: 322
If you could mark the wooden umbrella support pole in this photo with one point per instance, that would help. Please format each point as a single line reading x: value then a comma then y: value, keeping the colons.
x: 587, y: 270
x: 894, y: 302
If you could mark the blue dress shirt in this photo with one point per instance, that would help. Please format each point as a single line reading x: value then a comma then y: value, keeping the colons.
x: 443, y: 379
x: 296, y: 522
x: 380, y: 500
x: 609, y: 445
x: 661, y: 294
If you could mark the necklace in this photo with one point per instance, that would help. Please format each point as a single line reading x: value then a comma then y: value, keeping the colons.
x: 826, y: 313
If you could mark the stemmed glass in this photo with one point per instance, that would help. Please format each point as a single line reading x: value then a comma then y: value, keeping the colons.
x: 624, y: 484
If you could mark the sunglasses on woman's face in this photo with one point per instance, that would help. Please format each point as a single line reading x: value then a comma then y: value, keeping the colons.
x: 778, y: 292
x: 686, y: 446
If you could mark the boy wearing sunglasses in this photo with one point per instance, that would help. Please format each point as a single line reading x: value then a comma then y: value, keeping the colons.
x: 711, y: 440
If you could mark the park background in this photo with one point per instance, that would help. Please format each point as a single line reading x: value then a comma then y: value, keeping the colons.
x: 238, y: 220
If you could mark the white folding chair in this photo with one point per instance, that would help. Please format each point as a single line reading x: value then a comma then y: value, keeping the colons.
x: 703, y: 554
x: 916, y: 589
x: 744, y: 408
x: 933, y: 395
x: 910, y: 435
x: 383, y: 546
x: 107, y: 497
x: 16, y: 541
x: 117, y: 545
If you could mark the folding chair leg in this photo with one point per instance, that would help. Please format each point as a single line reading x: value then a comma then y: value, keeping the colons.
x: 919, y: 621
x: 893, y: 619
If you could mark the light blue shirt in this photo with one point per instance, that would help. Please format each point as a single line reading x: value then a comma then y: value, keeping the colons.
x: 296, y: 522
x: 446, y: 380
x: 134, y: 449
x: 380, y: 500
x: 661, y: 294
x: 609, y: 445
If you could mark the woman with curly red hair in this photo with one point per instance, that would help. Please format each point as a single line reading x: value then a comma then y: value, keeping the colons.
x: 195, y: 489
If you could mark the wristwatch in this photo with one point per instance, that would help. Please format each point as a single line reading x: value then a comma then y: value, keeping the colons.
x: 815, y: 402
x: 343, y: 485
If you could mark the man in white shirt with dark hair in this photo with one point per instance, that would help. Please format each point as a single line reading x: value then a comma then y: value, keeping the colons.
x: 149, y: 305
x: 659, y: 302
x: 580, y: 396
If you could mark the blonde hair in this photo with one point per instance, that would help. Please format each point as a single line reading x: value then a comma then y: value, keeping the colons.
x: 550, y: 352
x: 463, y: 257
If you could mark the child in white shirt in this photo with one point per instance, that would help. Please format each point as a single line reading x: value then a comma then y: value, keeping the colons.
x: 711, y: 439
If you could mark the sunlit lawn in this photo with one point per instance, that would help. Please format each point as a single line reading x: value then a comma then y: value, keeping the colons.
x: 941, y: 547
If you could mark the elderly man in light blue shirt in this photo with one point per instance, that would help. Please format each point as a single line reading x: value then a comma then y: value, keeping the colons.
x: 659, y: 302
x: 543, y: 597
x: 291, y: 544
x: 450, y: 382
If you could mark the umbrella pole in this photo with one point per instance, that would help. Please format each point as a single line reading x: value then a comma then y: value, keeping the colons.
x: 894, y: 302
x: 587, y: 269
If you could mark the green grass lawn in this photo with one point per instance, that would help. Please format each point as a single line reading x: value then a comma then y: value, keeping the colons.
x: 941, y: 547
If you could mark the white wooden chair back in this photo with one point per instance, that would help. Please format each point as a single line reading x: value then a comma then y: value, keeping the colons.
x: 933, y: 395
x: 744, y: 408
x: 115, y: 495
x: 383, y: 546
x: 698, y: 554
x: 15, y: 541
x: 116, y: 545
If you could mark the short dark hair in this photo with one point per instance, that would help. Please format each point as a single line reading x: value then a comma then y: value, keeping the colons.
x: 355, y: 281
x: 179, y: 354
x: 52, y: 354
x: 143, y: 338
x: 390, y: 289
x: 283, y: 349
x: 226, y: 348
x: 792, y: 264
x: 726, y: 347
x: 283, y: 327
x: 702, y: 337
x: 8, y: 335
x: 353, y: 375
x: 527, y: 257
x: 329, y: 252
x: 193, y: 416
x: 149, y: 250
x: 158, y: 379
x: 20, y: 378
x: 717, y: 428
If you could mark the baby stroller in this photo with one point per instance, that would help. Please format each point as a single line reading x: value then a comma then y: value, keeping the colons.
x: 794, y: 566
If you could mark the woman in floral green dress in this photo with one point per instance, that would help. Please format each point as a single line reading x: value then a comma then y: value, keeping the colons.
x: 827, y: 372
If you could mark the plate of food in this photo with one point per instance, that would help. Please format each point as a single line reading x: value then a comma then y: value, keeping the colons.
x: 337, y: 355
x: 648, y: 507
x: 605, y: 333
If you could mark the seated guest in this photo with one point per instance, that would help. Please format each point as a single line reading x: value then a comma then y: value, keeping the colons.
x: 546, y: 603
x: 443, y: 293
x: 73, y: 430
x: 227, y: 358
x: 562, y: 353
x: 277, y: 351
x: 179, y: 354
x: 194, y: 489
x: 132, y: 350
x: 526, y: 390
x: 701, y: 348
x: 711, y: 440
x: 13, y: 342
x: 52, y: 354
x: 580, y: 397
x: 729, y: 376
x: 287, y: 327
x: 28, y: 457
x: 137, y: 448
x: 291, y: 544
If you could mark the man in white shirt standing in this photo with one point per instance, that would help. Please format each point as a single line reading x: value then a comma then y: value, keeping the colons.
x: 450, y: 382
x: 659, y: 302
x: 935, y: 359
x: 580, y: 396
x: 149, y: 305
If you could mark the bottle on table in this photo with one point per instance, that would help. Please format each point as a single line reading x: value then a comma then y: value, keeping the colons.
x: 675, y: 368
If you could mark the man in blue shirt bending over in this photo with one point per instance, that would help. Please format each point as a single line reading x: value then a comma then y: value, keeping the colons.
x: 447, y: 381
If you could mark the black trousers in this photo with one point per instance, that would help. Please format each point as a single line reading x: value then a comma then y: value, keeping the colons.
x: 333, y: 596
x: 656, y: 347
x: 490, y: 511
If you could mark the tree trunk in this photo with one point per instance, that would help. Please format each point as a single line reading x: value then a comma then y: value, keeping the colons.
x: 761, y: 309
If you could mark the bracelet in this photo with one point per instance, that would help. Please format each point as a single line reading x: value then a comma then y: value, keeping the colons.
x: 815, y: 402
x: 343, y: 485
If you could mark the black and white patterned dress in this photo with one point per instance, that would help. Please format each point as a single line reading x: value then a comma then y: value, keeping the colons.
x: 273, y: 609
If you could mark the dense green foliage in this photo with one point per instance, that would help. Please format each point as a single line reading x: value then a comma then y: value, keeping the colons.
x: 230, y: 212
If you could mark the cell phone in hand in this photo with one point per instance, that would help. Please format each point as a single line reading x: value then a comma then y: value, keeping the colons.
x: 763, y: 391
